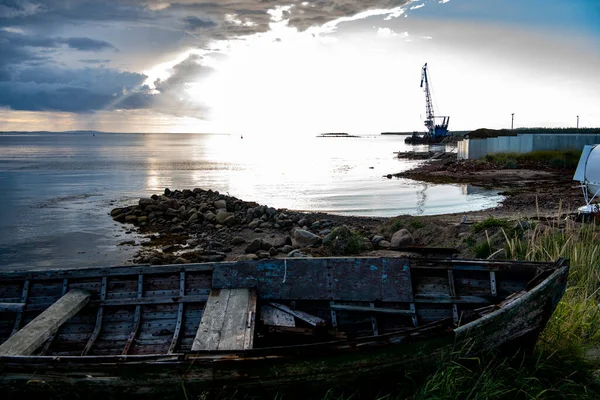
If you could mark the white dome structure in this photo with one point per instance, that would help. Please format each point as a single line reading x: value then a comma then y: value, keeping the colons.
x: 588, y: 173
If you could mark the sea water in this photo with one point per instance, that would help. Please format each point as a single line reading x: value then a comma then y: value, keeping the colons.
x: 57, y: 189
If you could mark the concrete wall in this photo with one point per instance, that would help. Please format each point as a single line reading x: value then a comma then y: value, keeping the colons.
x: 523, y: 143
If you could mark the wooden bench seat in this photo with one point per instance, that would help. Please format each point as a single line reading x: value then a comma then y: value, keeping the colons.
x: 42, y: 327
x: 227, y: 321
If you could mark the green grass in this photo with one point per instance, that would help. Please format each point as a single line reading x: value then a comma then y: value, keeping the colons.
x: 490, y: 222
x: 558, y: 159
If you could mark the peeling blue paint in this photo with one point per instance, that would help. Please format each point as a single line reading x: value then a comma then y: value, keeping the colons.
x: 384, y: 276
x: 373, y: 267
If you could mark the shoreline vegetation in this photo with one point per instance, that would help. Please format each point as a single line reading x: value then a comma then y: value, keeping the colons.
x: 536, y: 221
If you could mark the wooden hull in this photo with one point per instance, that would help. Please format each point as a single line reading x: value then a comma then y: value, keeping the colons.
x: 283, y: 368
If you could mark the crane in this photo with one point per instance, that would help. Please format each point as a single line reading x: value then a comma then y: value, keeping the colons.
x: 434, y: 131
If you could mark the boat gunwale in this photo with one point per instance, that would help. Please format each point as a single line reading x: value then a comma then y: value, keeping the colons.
x: 39, y: 273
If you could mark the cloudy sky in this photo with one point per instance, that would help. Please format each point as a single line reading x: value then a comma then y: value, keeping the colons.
x: 269, y: 66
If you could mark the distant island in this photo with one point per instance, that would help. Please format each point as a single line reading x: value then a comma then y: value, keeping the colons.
x: 336, y: 134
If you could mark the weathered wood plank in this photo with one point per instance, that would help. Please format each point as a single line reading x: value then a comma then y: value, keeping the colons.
x: 344, y: 307
x: 236, y: 320
x: 34, y: 334
x: 12, y: 307
x: 24, y: 294
x: 275, y: 317
x: 306, y: 317
x: 228, y: 321
x: 76, y: 273
x: 179, y: 314
x: 213, y: 318
x: 137, y: 317
x: 99, y: 315
x: 65, y: 287
x: 445, y: 299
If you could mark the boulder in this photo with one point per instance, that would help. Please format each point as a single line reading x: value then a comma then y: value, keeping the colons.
x: 254, y: 246
x: 263, y: 254
x: 376, y: 239
x: 220, y: 204
x: 117, y: 211
x: 246, y: 257
x: 229, y: 221
x: 180, y: 260
x: 266, y: 245
x: 222, y: 216
x: 303, y: 238
x: 402, y: 238
x: 286, y: 249
x: 273, y: 251
x: 210, y: 216
x: 298, y: 253
x: 146, y: 202
x: 132, y: 219
x: 238, y: 240
x: 384, y: 244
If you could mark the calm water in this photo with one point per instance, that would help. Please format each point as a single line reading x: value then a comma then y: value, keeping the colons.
x: 56, y: 190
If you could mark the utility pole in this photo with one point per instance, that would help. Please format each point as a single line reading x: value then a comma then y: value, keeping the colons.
x: 512, y: 122
x: 578, y: 122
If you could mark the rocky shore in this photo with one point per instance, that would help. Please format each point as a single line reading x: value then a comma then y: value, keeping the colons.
x: 206, y: 226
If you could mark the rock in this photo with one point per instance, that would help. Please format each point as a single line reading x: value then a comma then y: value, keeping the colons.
x: 302, y: 222
x: 270, y: 211
x: 143, y: 219
x: 177, y: 229
x: 303, y: 238
x: 222, y: 216
x: 116, y: 212
x: 273, y: 251
x: 146, y: 202
x: 254, y: 246
x: 167, y: 191
x: 325, y: 232
x: 210, y: 216
x: 229, y: 221
x: 132, y: 219
x: 194, y: 217
x: 376, y: 239
x: 238, y: 240
x: 286, y: 249
x: 266, y: 245
x: 192, y: 242
x: 523, y: 225
x: 169, y: 248
x: 180, y: 260
x: 258, y: 230
x: 282, y: 241
x: 246, y: 257
x: 127, y: 243
x: 220, y: 204
x: 402, y: 238
x: 254, y: 223
x: 263, y: 254
x: 297, y: 253
x: 384, y: 244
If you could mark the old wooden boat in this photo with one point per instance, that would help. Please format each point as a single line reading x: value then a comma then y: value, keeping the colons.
x: 260, y: 324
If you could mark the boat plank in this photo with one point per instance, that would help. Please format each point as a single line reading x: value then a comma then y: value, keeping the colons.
x: 227, y: 322
x: 344, y: 307
x: 238, y: 327
x: 275, y: 317
x: 12, y: 307
x: 213, y: 318
x: 34, y: 334
x: 304, y: 316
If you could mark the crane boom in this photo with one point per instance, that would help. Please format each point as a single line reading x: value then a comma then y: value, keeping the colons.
x: 433, y: 130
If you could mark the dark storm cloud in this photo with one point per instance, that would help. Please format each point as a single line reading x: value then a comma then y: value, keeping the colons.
x: 194, y: 23
x: 33, y: 40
